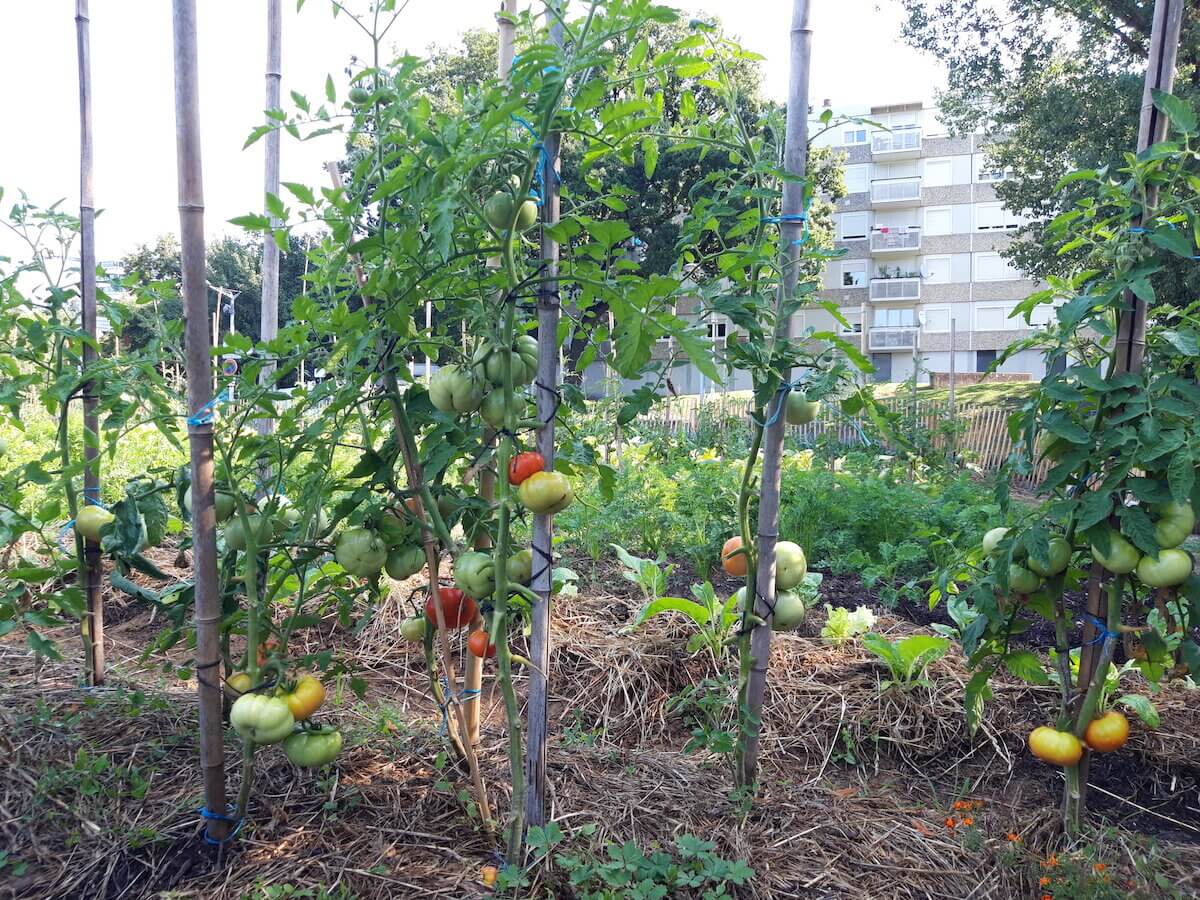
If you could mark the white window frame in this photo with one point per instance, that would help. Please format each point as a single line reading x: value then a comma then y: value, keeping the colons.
x: 850, y: 265
x: 865, y: 169
x: 1011, y: 275
x: 1007, y: 322
x: 885, y: 312
x: 718, y: 328
x: 948, y: 257
x: 1008, y: 222
x: 943, y: 307
x: 866, y: 229
x: 855, y: 130
x: 854, y: 317
x: 925, y: 232
x: 937, y: 162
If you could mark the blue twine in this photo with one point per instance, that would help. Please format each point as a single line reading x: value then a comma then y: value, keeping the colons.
x: 544, y: 173
x: 210, y: 816
x: 784, y: 389
x: 204, y: 415
x: 1101, y: 627
x: 786, y: 217
x: 91, y: 496
x: 451, y: 698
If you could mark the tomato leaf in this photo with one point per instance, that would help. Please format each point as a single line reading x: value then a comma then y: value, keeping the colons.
x: 1142, y: 707
x: 1026, y: 665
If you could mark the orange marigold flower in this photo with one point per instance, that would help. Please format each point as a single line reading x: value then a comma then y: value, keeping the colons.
x: 1099, y: 867
x: 968, y: 821
x: 1046, y: 897
x: 1044, y: 880
x: 950, y: 822
x: 1051, y: 861
x: 1014, y: 837
x: 961, y: 804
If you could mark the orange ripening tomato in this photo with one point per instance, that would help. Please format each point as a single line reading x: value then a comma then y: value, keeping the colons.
x: 478, y: 644
x: 1061, y: 748
x: 305, y: 698
x: 457, y: 608
x: 1107, y: 733
x: 265, y: 648
x: 732, y: 562
x: 523, y: 465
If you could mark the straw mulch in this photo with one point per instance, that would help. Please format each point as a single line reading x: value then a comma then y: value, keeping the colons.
x: 99, y: 790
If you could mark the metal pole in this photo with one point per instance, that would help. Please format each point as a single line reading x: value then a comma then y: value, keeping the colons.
x: 795, y: 156
x: 549, y: 374
x: 93, y: 622
x: 269, y: 307
x: 200, y: 433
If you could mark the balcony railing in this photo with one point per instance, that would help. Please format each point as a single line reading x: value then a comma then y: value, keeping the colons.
x: 895, y: 239
x: 898, y: 140
x: 892, y: 337
x: 896, y: 190
x: 895, y: 288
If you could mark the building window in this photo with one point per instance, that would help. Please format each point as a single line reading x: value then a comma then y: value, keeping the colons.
x: 984, y: 359
x: 992, y: 216
x: 718, y: 329
x: 854, y: 273
x: 853, y: 319
x: 853, y: 136
x: 996, y: 317
x: 991, y: 266
x: 854, y: 226
x: 936, y: 319
x: 856, y: 179
x: 988, y: 172
x: 938, y: 220
x: 938, y: 172
x: 895, y: 318
x: 936, y: 270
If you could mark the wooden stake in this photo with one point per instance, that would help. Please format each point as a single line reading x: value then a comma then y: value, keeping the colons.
x: 1130, y: 347
x: 795, y: 161
x: 548, y: 383
x: 200, y: 434
x: 94, y: 619
x: 269, y: 305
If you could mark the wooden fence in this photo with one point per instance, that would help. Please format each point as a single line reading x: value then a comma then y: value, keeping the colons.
x: 982, y: 438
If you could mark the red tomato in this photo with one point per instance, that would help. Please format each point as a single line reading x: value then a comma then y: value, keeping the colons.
x: 478, y: 644
x: 457, y: 608
x: 523, y: 465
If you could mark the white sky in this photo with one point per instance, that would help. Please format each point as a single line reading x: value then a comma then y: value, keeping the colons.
x: 857, y: 59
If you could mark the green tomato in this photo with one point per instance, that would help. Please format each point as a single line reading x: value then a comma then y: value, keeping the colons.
x: 224, y: 503
x: 1175, y: 523
x: 1171, y: 569
x: 393, y: 528
x: 261, y: 719
x: 1050, y: 446
x: 90, y: 519
x: 455, y: 390
x: 1122, y: 557
x: 261, y: 527
x: 404, y: 562
x: 520, y: 567
x: 313, y: 748
x: 493, y: 410
x: 413, y: 629
x: 546, y: 493
x: 789, y: 609
x: 488, y: 361
x: 498, y: 211
x: 360, y: 552
x: 991, y: 540
x: 475, y: 574
x: 800, y: 410
x: 359, y: 96
x: 1021, y: 580
x: 1060, y: 558
x: 790, y: 565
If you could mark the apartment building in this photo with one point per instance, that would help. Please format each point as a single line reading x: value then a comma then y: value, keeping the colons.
x: 922, y: 232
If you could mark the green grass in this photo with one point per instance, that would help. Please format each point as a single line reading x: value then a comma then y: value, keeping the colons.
x: 1006, y: 393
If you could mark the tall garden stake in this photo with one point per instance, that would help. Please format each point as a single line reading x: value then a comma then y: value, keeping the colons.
x: 795, y: 159
x: 1131, y: 331
x: 93, y: 623
x: 547, y: 385
x: 200, y: 405
x: 269, y: 310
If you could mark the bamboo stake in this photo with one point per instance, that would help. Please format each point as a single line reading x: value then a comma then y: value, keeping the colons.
x: 1130, y: 346
x: 269, y: 299
x: 795, y: 160
x: 543, y: 525
x: 416, y: 481
x: 200, y: 436
x: 93, y: 623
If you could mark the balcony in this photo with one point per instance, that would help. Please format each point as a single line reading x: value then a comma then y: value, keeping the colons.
x: 892, y: 337
x: 895, y: 240
x: 896, y: 192
x: 902, y: 142
x: 907, y: 288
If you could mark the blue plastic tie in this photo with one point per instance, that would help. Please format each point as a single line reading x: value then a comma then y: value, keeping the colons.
x: 210, y: 816
x: 784, y: 389
x: 204, y: 415
x: 544, y: 174
x: 452, y: 698
x: 1102, y: 632
x: 786, y: 217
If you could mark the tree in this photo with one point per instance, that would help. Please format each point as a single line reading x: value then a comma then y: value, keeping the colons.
x: 1059, y: 82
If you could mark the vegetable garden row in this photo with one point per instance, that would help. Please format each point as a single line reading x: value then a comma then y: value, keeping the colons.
x: 311, y: 506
